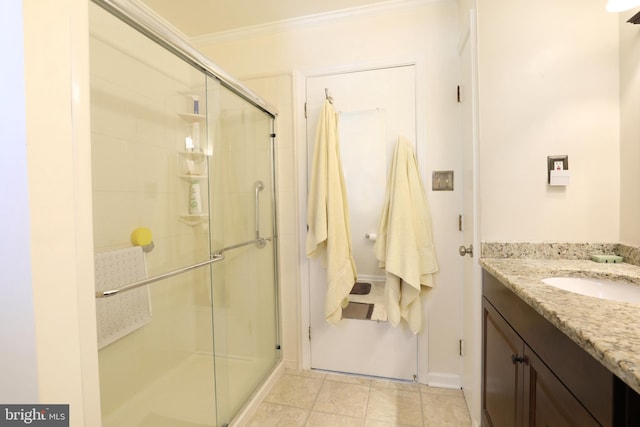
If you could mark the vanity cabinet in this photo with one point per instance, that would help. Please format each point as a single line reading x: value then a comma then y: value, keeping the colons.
x: 503, y: 377
x: 547, y: 401
x: 534, y: 375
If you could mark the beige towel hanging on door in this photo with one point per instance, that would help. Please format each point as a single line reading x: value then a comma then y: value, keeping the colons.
x: 404, y: 247
x: 329, y: 234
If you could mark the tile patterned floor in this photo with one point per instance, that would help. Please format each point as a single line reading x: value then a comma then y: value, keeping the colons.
x: 316, y: 399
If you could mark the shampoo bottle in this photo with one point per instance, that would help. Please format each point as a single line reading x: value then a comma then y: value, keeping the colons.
x: 195, y: 199
x: 195, y: 136
x: 196, y: 104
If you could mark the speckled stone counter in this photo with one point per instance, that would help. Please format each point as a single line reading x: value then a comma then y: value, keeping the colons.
x: 608, y: 330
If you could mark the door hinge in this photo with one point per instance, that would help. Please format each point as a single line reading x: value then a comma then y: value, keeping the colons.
x: 309, y: 333
x: 305, y: 110
x: 458, y: 95
x: 460, y: 347
x: 460, y: 222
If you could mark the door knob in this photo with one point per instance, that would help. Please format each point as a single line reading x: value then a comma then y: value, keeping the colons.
x: 464, y: 251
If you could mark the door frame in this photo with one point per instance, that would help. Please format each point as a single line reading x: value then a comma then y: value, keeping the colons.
x: 300, y: 132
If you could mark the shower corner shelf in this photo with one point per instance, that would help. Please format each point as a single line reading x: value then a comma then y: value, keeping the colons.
x: 191, y: 118
x: 193, y: 219
x: 192, y: 167
x: 192, y: 155
x: 192, y: 177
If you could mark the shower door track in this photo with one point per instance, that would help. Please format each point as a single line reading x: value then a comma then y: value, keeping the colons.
x: 139, y: 17
x: 105, y: 294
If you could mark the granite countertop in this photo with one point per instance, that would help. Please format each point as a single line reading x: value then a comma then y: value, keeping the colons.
x: 608, y: 330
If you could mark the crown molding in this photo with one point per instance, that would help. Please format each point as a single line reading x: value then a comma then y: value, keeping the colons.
x: 306, y: 21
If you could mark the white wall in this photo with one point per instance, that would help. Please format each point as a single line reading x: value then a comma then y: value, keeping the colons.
x: 548, y: 75
x: 59, y: 162
x: 422, y: 31
x: 629, y: 129
x: 18, y: 368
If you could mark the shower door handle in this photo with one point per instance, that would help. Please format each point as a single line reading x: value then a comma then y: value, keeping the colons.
x: 259, y: 186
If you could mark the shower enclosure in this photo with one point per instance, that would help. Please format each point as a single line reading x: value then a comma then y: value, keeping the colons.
x: 184, y: 228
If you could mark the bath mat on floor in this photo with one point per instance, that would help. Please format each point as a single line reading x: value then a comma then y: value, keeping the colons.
x: 361, y: 288
x: 358, y: 311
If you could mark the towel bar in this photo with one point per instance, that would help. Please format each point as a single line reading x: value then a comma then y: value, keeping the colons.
x: 104, y: 294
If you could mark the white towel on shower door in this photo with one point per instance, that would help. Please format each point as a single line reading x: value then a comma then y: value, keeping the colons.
x: 329, y: 234
x: 404, y: 247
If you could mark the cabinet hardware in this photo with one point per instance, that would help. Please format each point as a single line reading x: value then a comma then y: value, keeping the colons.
x: 516, y: 359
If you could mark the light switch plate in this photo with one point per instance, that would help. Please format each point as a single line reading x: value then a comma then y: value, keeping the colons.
x: 553, y: 162
x: 442, y: 181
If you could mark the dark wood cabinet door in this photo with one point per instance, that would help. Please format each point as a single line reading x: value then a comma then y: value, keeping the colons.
x: 548, y: 403
x: 502, y: 372
x: 554, y: 382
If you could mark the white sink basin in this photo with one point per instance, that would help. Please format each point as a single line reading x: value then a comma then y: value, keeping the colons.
x: 598, y: 288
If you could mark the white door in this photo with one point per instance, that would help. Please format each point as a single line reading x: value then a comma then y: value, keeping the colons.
x: 471, y: 269
x: 375, y: 108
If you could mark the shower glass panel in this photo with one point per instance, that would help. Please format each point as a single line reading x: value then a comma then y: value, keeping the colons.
x: 245, y: 307
x: 177, y: 153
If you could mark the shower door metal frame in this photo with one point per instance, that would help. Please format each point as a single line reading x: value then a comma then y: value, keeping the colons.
x: 140, y: 18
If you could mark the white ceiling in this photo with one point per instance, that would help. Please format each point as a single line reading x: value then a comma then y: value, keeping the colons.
x: 201, y: 17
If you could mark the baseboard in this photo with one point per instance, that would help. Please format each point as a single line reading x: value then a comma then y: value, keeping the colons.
x: 444, y: 380
x: 250, y: 408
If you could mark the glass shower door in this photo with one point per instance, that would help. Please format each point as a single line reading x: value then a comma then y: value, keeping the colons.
x: 246, y: 343
x: 155, y: 342
x: 177, y: 155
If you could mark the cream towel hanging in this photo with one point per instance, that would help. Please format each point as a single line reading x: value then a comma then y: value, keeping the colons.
x: 329, y: 234
x: 404, y: 247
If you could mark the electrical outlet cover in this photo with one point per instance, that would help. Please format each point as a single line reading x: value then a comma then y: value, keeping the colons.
x: 442, y: 181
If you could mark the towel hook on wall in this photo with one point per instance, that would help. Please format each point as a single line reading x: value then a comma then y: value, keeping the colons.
x: 327, y: 96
